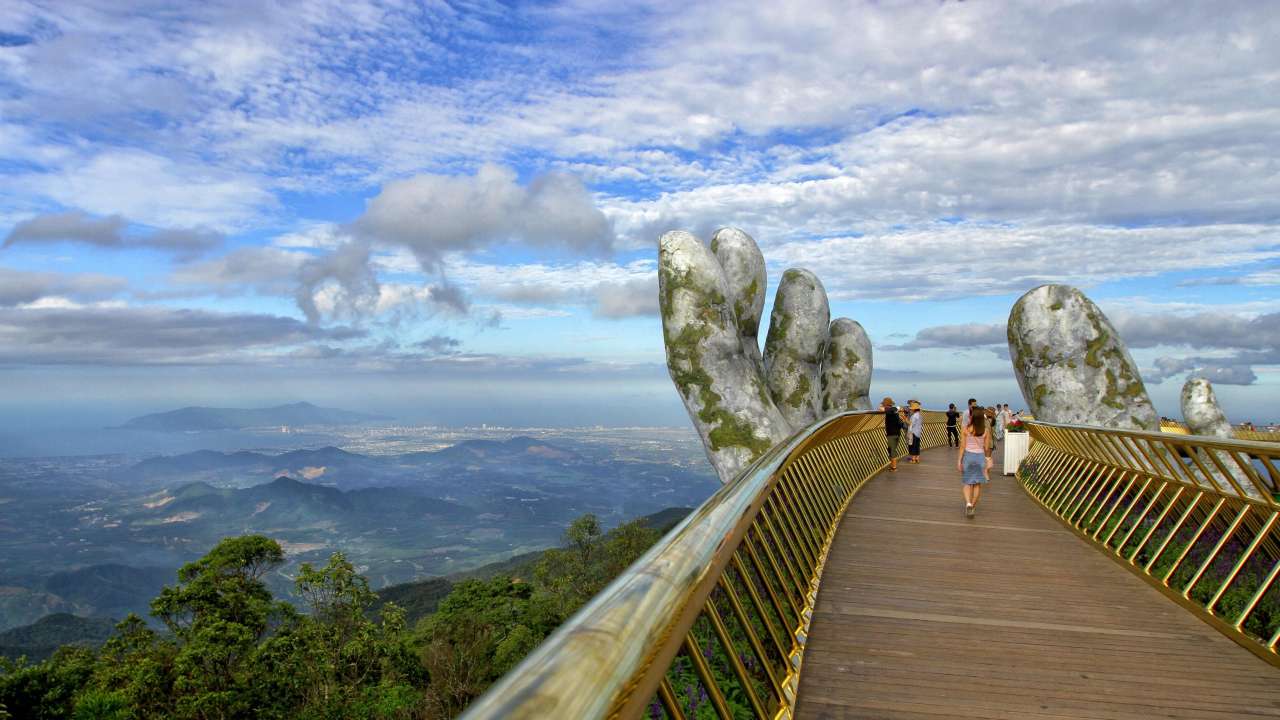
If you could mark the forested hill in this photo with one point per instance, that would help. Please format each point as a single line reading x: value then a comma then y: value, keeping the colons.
x: 421, y: 597
x: 229, y: 649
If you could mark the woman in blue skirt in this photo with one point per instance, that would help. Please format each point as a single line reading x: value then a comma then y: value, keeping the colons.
x: 974, y: 460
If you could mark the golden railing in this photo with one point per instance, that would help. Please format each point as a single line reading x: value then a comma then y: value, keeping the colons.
x: 1240, y: 433
x: 717, y: 613
x: 1194, y: 516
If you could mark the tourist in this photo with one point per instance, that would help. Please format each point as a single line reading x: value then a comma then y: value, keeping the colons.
x: 968, y: 411
x: 892, y: 431
x: 1000, y: 420
x: 916, y: 428
x: 953, y: 433
x: 974, y: 460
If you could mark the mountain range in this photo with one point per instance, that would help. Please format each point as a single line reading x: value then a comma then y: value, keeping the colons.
x: 300, y: 414
x: 98, y: 536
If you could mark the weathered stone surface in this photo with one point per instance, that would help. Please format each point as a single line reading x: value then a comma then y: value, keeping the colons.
x: 1071, y: 365
x: 1200, y: 410
x: 795, y: 345
x: 846, y: 368
x: 722, y: 390
x: 744, y: 273
x: 1204, y: 417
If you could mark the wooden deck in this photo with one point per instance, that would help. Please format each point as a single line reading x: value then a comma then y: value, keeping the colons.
x: 925, y: 614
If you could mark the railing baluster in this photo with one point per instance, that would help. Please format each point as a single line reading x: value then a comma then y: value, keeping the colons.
x: 1213, y: 514
x: 782, y: 583
x: 1102, y: 485
x: 1142, y: 516
x: 788, y: 509
x: 765, y: 616
x: 1213, y: 555
x: 1120, y: 521
x: 798, y: 577
x: 740, y: 612
x: 1119, y: 497
x: 1244, y: 558
x: 1173, y: 531
x: 1086, y: 479
x: 668, y: 699
x: 703, y: 671
x: 740, y: 670
x: 1257, y: 596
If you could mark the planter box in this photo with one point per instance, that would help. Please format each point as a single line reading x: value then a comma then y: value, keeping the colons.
x: 1016, y: 446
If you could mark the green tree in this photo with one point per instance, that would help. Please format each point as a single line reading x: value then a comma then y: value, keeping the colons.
x: 218, y: 613
x: 137, y: 666
x: 45, y: 690
x: 344, y: 664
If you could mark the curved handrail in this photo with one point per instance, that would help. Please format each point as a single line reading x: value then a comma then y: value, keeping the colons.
x: 1238, y: 432
x: 744, y: 566
x: 1197, y: 517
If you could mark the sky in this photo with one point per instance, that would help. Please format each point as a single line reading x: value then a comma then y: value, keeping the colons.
x: 448, y: 211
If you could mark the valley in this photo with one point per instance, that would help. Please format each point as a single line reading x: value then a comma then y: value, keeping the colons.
x: 97, y: 536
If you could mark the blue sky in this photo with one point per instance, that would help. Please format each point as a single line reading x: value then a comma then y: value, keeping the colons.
x: 446, y: 210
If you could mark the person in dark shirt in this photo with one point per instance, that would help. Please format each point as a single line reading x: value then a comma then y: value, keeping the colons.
x: 953, y: 434
x: 892, y: 431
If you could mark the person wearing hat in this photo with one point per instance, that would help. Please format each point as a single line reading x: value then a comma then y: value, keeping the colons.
x: 916, y: 429
x: 892, y: 431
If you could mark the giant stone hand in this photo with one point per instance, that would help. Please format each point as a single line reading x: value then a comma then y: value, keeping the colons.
x: 1071, y: 365
x: 1073, y: 368
x: 740, y: 402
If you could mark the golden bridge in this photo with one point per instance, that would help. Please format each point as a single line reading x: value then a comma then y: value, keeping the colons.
x: 1116, y: 574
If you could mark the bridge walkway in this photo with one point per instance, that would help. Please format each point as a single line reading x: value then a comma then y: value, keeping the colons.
x: 923, y: 613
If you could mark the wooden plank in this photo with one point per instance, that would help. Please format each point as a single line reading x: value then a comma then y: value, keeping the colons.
x: 923, y: 613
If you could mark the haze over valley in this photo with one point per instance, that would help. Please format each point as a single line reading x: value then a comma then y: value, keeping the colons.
x: 98, y: 535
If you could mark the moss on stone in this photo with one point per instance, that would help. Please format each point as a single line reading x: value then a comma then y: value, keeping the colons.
x: 798, y: 396
x: 777, y: 332
x: 673, y: 281
x: 761, y: 389
x: 1056, y: 306
x: 684, y: 359
x: 1095, y: 346
x: 851, y: 359
x: 1111, y: 397
x: 1038, y: 394
x: 733, y: 431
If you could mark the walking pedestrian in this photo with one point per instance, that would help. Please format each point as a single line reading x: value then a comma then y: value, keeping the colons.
x: 974, y: 459
x: 892, y: 431
x: 953, y: 433
x: 1000, y: 419
x: 916, y: 428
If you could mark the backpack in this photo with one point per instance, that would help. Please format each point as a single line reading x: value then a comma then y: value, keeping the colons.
x: 892, y: 421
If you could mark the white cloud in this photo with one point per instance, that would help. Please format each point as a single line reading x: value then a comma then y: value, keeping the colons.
x: 433, y: 215
x: 154, y: 190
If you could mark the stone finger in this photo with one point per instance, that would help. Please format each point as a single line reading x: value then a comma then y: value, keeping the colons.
x: 744, y: 273
x: 723, y: 392
x: 846, y: 368
x: 795, y: 346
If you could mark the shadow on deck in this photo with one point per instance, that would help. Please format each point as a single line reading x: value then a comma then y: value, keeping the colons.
x: 923, y: 613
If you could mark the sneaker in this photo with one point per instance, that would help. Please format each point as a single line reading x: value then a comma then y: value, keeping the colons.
x: 969, y: 510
